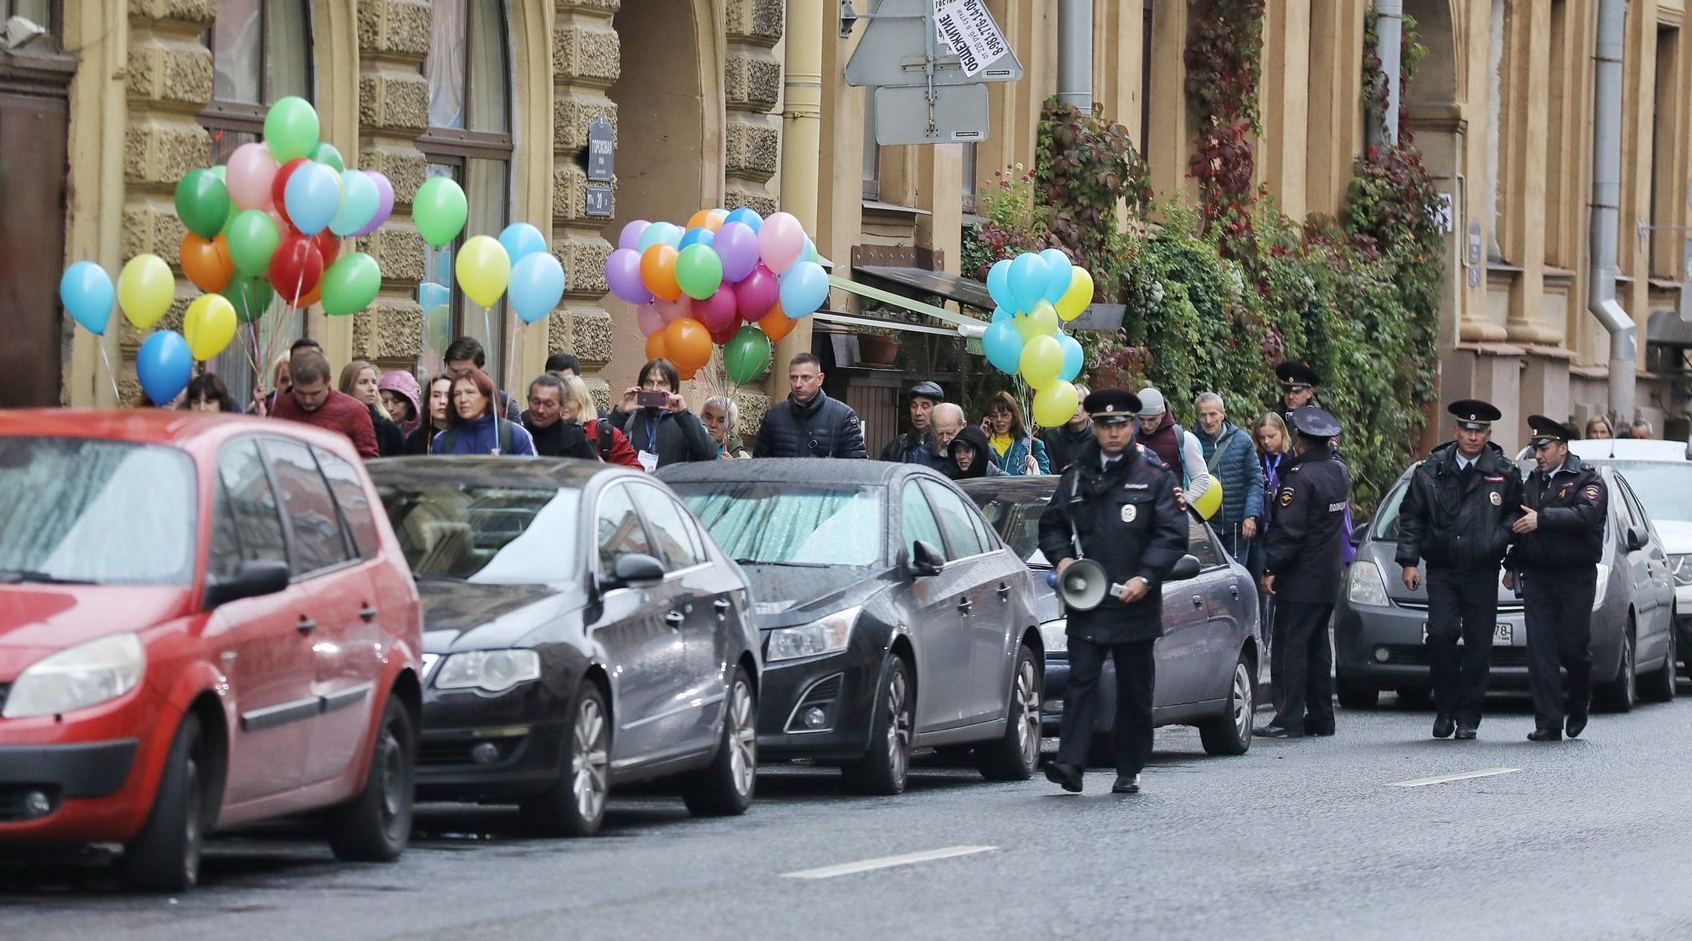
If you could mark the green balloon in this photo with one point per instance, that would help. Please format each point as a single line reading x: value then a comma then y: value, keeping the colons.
x: 202, y: 201
x: 249, y: 295
x: 746, y: 355
x: 351, y: 284
x: 252, y: 240
x: 229, y: 219
x: 699, y: 271
x: 326, y: 154
x: 439, y: 210
x: 290, y: 129
x: 221, y: 172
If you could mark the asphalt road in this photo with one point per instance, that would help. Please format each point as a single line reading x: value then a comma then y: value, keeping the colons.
x: 1305, y: 839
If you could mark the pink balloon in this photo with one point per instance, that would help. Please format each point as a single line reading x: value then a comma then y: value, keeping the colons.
x: 384, y: 202
x: 649, y: 319
x: 756, y: 294
x: 719, y: 311
x: 679, y: 309
x: 780, y: 241
x: 248, y: 176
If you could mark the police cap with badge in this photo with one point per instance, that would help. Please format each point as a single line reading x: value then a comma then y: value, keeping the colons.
x: 1473, y: 414
x: 1314, y: 422
x: 1112, y: 406
x: 1549, y: 430
x: 1296, y: 376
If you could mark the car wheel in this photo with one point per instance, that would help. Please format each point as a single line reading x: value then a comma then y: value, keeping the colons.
x: 1355, y: 695
x: 575, y: 804
x: 165, y: 857
x: 1014, y: 756
x: 1622, y: 693
x: 375, y: 826
x: 883, y: 769
x: 1658, y: 686
x: 1230, y: 732
x: 724, y: 788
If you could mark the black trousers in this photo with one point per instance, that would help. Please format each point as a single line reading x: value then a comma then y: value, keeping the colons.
x: 1558, y: 608
x: 1136, y: 676
x: 1461, y: 605
x: 1301, y: 667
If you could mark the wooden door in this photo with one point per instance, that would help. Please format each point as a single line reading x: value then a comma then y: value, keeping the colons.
x: 33, y: 172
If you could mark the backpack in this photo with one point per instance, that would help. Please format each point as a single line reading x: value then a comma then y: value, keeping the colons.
x: 602, y: 430
x: 450, y: 437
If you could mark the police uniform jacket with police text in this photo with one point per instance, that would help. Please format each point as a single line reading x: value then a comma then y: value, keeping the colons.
x: 1572, y: 507
x: 1305, y: 550
x: 1457, y: 520
x: 1130, y: 522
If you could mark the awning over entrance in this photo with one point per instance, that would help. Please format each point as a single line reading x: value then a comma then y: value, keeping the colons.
x: 943, y: 284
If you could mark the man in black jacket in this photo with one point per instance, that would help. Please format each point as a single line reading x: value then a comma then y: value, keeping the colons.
x: 1064, y: 442
x: 554, y: 437
x: 1305, y: 556
x: 917, y: 445
x: 1457, y: 514
x: 809, y: 423
x: 1119, y: 509
x: 1559, y: 541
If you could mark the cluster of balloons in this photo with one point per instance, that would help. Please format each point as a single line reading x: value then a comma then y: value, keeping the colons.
x: 517, y: 264
x: 733, y: 279
x: 1035, y: 294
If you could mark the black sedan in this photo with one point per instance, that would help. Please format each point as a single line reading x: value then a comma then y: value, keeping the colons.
x: 893, y: 616
x: 580, y: 631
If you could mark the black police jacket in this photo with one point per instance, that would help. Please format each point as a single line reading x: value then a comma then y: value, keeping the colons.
x: 1459, y: 520
x: 1126, y: 519
x: 822, y: 427
x: 1572, y: 507
x: 1305, y: 549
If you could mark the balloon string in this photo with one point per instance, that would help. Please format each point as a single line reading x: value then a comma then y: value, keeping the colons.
x: 117, y: 397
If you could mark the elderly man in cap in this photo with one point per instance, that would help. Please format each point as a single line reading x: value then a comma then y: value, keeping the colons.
x: 1456, y: 515
x: 917, y: 445
x: 1559, y: 542
x: 1304, y: 560
x: 1120, y: 510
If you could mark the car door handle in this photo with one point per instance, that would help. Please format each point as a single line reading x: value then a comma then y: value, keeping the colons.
x: 1004, y: 593
x: 722, y: 605
x: 306, y: 625
x: 674, y: 619
x: 1234, y: 590
x: 1198, y: 601
x: 367, y: 614
x: 964, y: 604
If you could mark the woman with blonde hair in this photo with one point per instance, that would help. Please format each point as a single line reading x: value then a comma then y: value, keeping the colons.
x: 361, y: 380
x: 607, y: 440
x: 1598, y: 426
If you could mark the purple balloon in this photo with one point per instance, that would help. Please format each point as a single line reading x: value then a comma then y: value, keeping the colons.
x: 756, y: 294
x: 384, y: 202
x: 737, y: 246
x: 630, y: 237
x: 622, y: 273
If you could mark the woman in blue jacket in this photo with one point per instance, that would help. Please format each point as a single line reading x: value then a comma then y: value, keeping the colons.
x: 1015, y: 451
x: 472, y: 426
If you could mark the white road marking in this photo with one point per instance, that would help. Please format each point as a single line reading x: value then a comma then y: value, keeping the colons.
x: 887, y: 862
x: 1447, y: 778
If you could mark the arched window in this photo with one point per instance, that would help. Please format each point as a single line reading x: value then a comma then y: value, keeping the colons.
x: 469, y: 140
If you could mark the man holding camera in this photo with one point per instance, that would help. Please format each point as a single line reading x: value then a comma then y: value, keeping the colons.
x: 1115, y: 508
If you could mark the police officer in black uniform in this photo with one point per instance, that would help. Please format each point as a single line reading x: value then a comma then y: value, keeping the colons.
x: 1559, y: 541
x: 1298, y: 388
x: 1457, y: 514
x: 1116, y: 508
x: 1305, y: 556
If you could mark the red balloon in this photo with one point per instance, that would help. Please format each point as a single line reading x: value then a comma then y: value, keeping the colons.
x: 279, y: 185
x: 726, y: 334
x: 329, y: 244
x: 295, y: 269
x: 717, y: 312
x: 756, y: 293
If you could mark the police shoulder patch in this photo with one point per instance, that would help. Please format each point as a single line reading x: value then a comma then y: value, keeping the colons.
x: 1286, y: 497
x: 1591, y: 491
x: 1496, y: 498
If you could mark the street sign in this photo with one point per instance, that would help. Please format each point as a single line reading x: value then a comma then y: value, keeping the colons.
x: 967, y: 27
x: 1099, y: 318
x: 598, y: 203
x: 958, y: 115
x: 602, y: 150
x: 903, y: 46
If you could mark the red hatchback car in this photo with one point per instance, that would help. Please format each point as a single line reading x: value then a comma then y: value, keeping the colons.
x: 204, y: 621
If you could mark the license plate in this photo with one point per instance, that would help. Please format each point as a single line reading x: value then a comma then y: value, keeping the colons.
x: 1501, y: 634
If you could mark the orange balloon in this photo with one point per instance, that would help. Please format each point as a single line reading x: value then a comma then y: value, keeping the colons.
x: 776, y: 324
x: 714, y: 221
x: 702, y: 219
x: 688, y: 344
x: 206, y: 262
x: 658, y: 271
x: 655, y: 346
x: 686, y: 375
x: 312, y: 296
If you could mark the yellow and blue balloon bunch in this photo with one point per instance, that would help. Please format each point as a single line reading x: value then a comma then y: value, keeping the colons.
x: 1036, y: 292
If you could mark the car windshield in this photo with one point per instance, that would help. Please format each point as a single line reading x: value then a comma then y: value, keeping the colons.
x: 1018, y: 524
x: 485, y: 535
x: 762, y: 523
x: 83, y: 510
x: 1664, y: 488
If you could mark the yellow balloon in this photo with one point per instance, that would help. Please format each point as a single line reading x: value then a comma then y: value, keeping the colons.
x: 484, y: 269
x: 1210, y: 500
x: 1055, y: 404
x: 209, y: 325
x: 1079, y: 294
x: 1042, y: 362
x: 145, y: 289
x: 1043, y: 320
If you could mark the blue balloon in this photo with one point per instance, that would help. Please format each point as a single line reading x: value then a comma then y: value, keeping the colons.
x: 998, y: 284
x: 1073, y: 357
x: 1003, y: 315
x: 87, y: 292
x: 1027, y: 280
x: 1003, y: 346
x: 697, y: 236
x: 521, y: 240
x: 431, y: 295
x: 537, y: 285
x: 1057, y: 273
x: 653, y: 234
x: 311, y: 197
x: 443, y: 266
x: 747, y: 217
x: 359, y: 202
x: 804, y: 288
x: 164, y: 364
x: 671, y: 234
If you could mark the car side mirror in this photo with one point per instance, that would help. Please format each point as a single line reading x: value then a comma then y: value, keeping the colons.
x: 925, y: 559
x: 1359, y: 532
x: 634, y: 569
x: 1635, y: 539
x: 1186, y: 569
x: 254, y: 577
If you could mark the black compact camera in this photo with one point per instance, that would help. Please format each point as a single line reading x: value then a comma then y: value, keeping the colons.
x: 653, y: 399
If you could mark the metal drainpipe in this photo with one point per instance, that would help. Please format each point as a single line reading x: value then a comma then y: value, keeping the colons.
x: 1606, y: 202
x: 1075, y: 54
x: 1389, y: 31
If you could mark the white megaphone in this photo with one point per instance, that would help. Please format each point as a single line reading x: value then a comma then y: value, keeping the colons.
x: 1084, y: 585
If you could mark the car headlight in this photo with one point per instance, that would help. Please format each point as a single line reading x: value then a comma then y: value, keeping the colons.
x: 494, y: 671
x: 1681, y: 566
x: 1603, y: 583
x: 1364, y: 585
x: 85, y: 675
x: 1055, y: 635
x: 829, y: 634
